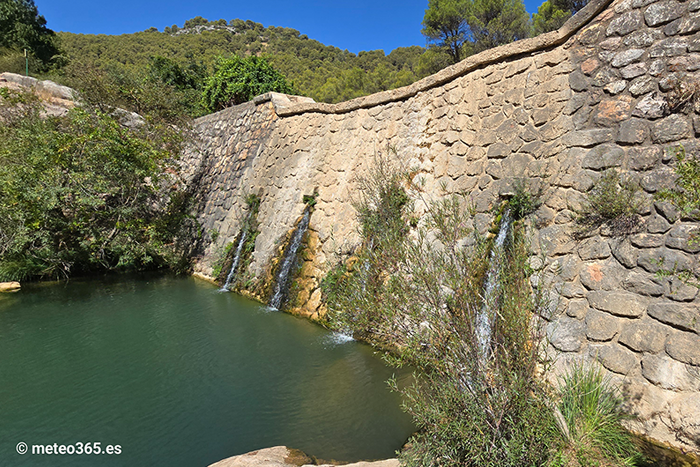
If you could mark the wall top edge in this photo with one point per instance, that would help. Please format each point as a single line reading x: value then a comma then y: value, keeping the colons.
x: 288, y: 105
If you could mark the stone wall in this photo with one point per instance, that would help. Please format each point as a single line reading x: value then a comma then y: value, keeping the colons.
x: 554, y: 111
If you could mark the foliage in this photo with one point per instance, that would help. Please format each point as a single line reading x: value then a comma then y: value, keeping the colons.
x: 420, y: 293
x: 524, y: 201
x: 497, y: 22
x: 22, y: 27
x: 611, y: 202
x: 237, y: 80
x: 686, y: 194
x: 164, y: 92
x: 548, y: 18
x: 83, y: 193
x: 592, y: 412
x: 324, y: 73
x: 445, y: 25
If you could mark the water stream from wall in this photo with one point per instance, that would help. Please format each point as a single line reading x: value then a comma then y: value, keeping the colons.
x: 484, y: 318
x: 281, y: 287
x: 236, y: 259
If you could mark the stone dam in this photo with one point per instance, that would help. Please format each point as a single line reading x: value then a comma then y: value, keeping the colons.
x: 555, y: 111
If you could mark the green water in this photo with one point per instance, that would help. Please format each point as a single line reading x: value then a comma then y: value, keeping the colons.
x: 180, y: 375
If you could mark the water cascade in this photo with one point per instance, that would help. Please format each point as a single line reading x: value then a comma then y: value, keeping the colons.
x: 288, y: 259
x: 483, y: 319
x: 236, y: 259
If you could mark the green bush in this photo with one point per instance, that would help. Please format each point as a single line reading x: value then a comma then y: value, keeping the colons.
x: 613, y: 203
x: 237, y: 80
x: 83, y: 193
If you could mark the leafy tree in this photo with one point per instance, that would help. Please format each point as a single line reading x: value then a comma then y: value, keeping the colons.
x: 497, y: 22
x: 237, y: 80
x: 552, y: 14
x: 22, y: 27
x: 84, y: 193
x: 445, y: 26
x: 196, y: 21
x: 549, y: 18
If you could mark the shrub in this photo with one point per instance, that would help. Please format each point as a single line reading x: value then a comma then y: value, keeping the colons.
x: 592, y: 413
x: 237, y: 80
x: 420, y: 293
x: 83, y: 193
x: 612, y: 203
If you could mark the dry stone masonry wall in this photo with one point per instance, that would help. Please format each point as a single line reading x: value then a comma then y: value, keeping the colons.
x: 553, y: 112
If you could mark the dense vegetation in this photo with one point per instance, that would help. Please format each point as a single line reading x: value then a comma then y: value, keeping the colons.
x: 22, y: 29
x: 85, y: 192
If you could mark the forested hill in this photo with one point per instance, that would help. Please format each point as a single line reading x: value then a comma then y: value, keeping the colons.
x: 322, y: 72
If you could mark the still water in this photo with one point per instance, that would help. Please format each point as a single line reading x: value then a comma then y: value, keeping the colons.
x: 177, y: 374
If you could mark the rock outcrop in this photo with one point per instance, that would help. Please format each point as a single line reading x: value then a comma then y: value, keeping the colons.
x: 281, y: 456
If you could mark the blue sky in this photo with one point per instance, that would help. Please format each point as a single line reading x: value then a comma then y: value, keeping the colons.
x: 357, y: 25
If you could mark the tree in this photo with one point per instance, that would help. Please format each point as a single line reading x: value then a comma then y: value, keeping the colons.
x: 549, y: 18
x: 552, y: 14
x: 497, y: 22
x: 237, y: 80
x: 445, y: 26
x: 22, y: 27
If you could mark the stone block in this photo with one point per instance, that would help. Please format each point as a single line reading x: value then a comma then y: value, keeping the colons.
x: 684, y: 347
x: 618, y: 303
x: 671, y: 128
x: 643, y: 158
x: 634, y: 70
x: 633, y: 131
x: 594, y: 248
x: 679, y: 291
x: 626, y: 57
x: 678, y: 315
x: 645, y: 335
x: 601, y: 327
x: 625, y: 23
x: 603, y: 157
x: 663, y: 12
x: 587, y: 138
x: 577, y: 308
x: 690, y: 25
x: 670, y: 47
x: 615, y: 358
x: 641, y: 283
x: 566, y: 334
x: 652, y: 106
x: 670, y: 374
x: 679, y: 238
x: 653, y: 260
x: 612, y: 111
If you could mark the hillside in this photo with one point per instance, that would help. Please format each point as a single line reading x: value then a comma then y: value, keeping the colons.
x: 322, y: 72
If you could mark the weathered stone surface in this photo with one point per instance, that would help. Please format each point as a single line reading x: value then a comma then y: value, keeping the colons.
x: 663, y: 12
x: 670, y: 374
x: 684, y: 347
x: 633, y: 131
x: 644, y: 158
x: 662, y: 258
x: 685, y: 317
x: 625, y: 253
x: 566, y: 334
x: 652, y: 106
x: 611, y: 111
x: 669, y: 48
x: 603, y: 157
x: 601, y: 275
x: 671, y: 128
x: 577, y: 308
x: 679, y: 291
x: 618, y: 303
x: 601, y: 327
x: 680, y: 238
x: 281, y: 456
x: 594, y: 248
x: 642, y: 283
x: 587, y: 138
x: 614, y: 357
x: 625, y: 23
x: 645, y: 335
x: 578, y: 81
x: 626, y: 57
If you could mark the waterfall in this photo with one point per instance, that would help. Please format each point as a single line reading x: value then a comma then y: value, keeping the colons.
x: 236, y: 259
x: 288, y: 259
x: 483, y: 320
